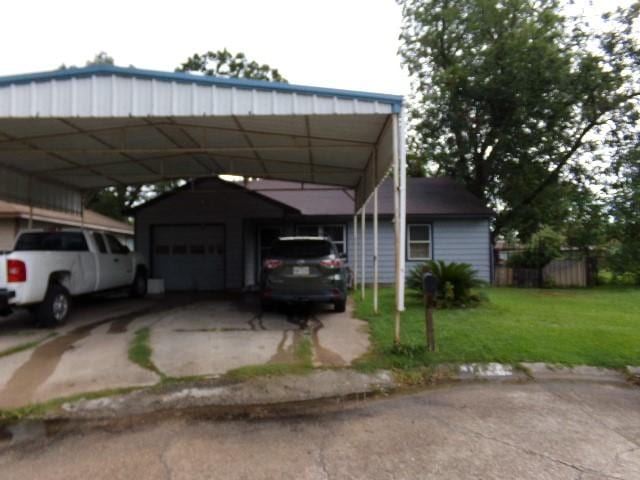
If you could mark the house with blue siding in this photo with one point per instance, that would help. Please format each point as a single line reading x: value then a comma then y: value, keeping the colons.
x: 212, y: 234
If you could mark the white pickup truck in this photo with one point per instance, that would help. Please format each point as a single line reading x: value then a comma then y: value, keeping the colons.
x: 46, y: 268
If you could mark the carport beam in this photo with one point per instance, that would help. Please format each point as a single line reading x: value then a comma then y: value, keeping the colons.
x: 363, y: 267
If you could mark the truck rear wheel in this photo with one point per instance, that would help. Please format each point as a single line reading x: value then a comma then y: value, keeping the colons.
x: 54, y: 309
x: 139, y: 286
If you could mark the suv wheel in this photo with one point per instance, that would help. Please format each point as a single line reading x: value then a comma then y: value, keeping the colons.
x: 55, y: 308
x: 340, y: 305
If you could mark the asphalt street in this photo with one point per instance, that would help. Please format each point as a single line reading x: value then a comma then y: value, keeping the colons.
x: 548, y: 430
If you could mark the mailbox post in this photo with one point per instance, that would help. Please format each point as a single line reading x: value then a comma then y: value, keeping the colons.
x: 429, y: 288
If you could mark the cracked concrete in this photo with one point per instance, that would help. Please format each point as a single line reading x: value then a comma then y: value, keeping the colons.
x: 554, y: 430
x: 191, y: 335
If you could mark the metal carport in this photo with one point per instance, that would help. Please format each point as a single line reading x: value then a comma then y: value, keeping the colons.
x: 68, y: 132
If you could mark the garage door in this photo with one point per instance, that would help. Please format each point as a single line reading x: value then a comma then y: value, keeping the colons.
x: 189, y: 258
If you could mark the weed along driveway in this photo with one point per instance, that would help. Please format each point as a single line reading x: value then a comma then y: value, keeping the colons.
x: 116, y: 344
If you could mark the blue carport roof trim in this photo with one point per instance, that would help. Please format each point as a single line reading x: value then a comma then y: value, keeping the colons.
x: 394, y: 100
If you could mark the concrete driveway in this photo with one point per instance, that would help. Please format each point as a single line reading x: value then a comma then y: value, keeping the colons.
x: 190, y: 335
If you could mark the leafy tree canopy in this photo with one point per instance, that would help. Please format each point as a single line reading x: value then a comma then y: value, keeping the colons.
x: 625, y: 211
x: 514, y: 100
x: 223, y: 63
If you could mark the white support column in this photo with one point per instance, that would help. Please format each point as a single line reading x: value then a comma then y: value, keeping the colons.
x: 363, y: 266
x: 355, y: 252
x: 397, y: 226
x: 402, y: 167
x: 375, y: 250
x: 30, y: 223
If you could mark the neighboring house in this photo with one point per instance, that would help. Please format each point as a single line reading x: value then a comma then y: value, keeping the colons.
x: 14, y: 218
x: 212, y: 234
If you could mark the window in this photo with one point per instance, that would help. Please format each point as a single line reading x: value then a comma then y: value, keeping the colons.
x: 162, y: 250
x: 179, y: 249
x: 115, y: 246
x: 419, y: 242
x: 52, y: 241
x: 197, y: 250
x: 301, y: 249
x: 102, y: 247
x: 337, y: 233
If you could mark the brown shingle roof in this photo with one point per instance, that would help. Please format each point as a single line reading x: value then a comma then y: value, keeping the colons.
x: 425, y: 196
x: 92, y: 219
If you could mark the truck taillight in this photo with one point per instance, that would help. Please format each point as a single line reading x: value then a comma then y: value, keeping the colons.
x: 272, y: 264
x: 16, y: 271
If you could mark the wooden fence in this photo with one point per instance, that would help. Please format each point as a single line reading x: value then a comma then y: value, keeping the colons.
x: 558, y: 273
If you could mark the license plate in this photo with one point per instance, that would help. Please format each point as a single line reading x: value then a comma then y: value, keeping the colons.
x: 300, y: 271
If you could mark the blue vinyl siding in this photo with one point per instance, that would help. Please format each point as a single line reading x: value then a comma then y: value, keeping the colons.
x: 463, y: 240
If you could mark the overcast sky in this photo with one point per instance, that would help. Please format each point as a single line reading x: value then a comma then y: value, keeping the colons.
x: 348, y: 44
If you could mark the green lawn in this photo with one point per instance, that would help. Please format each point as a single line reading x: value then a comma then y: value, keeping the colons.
x: 599, y: 327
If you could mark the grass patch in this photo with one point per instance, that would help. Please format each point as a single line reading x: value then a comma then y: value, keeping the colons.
x: 26, y: 345
x: 268, y: 370
x: 599, y: 327
x: 37, y: 410
x: 140, y: 351
x: 301, y: 365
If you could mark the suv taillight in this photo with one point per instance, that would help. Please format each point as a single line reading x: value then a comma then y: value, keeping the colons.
x: 272, y: 264
x: 332, y: 263
x: 16, y: 271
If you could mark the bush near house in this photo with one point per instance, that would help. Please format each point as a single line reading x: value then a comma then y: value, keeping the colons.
x: 455, y: 280
x: 545, y: 245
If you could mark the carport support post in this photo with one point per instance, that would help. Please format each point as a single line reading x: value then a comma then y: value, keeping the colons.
x: 363, y: 267
x: 399, y: 184
x: 375, y: 250
x: 30, y: 224
x: 355, y: 252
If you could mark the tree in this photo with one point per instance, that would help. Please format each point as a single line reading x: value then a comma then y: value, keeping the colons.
x: 225, y: 64
x: 101, y: 58
x: 625, y: 211
x: 513, y: 99
x: 115, y: 201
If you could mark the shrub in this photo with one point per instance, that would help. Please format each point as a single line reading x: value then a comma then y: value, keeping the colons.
x: 455, y: 282
x: 545, y: 245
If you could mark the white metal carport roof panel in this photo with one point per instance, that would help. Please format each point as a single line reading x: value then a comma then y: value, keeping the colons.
x: 103, y: 125
x: 107, y: 91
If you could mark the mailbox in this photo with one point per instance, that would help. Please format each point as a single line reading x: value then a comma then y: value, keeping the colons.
x: 429, y: 283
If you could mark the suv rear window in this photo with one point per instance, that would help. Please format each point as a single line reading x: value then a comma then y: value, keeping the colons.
x: 300, y: 249
x: 52, y: 241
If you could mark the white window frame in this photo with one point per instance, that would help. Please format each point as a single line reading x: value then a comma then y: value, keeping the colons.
x: 429, y: 242
x: 321, y: 228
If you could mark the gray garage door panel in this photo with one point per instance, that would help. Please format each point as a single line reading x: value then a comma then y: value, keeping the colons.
x: 189, y: 258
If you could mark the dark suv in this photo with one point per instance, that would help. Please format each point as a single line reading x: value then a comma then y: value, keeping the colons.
x: 304, y: 269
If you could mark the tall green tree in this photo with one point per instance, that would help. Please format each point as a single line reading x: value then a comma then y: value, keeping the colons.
x: 223, y: 63
x: 625, y: 212
x: 513, y: 99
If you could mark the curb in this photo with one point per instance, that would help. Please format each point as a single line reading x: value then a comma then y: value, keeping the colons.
x: 272, y: 397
